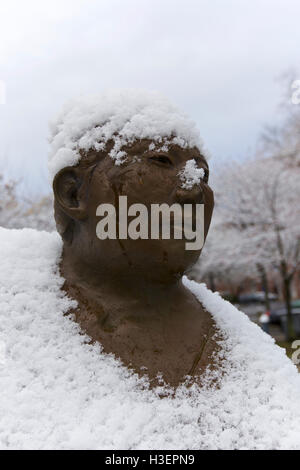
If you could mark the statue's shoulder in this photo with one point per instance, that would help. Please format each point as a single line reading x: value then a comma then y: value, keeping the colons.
x: 25, y: 254
x: 245, y: 347
x: 27, y: 241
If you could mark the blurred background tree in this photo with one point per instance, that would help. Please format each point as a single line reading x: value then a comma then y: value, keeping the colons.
x: 254, y: 239
x: 16, y: 211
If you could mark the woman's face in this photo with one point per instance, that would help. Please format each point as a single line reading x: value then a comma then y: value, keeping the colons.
x: 146, y: 177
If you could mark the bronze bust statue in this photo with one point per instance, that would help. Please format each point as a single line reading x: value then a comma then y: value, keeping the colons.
x: 129, y: 292
x: 229, y: 387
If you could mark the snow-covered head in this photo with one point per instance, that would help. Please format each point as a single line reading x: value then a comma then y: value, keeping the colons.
x: 119, y: 118
x: 132, y: 144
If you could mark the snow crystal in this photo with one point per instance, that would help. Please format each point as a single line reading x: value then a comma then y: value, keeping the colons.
x: 120, y: 115
x: 191, y: 175
x: 58, y: 391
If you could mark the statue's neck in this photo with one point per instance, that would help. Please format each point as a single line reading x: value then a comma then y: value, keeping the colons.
x: 154, y: 327
x: 105, y: 287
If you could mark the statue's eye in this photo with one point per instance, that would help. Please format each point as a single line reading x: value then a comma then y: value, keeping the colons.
x: 161, y: 160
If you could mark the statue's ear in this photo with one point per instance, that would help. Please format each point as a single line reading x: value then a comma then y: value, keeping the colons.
x: 69, y: 192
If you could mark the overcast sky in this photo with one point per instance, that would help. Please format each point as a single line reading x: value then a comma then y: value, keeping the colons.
x: 216, y: 59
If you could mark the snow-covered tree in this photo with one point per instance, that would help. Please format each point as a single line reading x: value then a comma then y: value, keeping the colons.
x: 9, y: 205
x: 38, y: 215
x: 16, y: 212
x: 283, y: 141
x: 258, y: 222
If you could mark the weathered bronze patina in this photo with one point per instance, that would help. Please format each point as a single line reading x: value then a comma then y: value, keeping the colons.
x: 130, y: 293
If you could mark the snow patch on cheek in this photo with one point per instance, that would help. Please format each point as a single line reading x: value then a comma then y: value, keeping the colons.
x: 191, y: 175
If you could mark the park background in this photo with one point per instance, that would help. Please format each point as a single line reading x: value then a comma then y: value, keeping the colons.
x: 230, y: 65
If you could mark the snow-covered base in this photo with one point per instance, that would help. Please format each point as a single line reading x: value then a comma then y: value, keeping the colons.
x: 59, y: 392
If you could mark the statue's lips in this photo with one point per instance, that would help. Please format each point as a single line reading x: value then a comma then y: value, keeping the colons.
x: 165, y: 221
x: 188, y: 232
x: 185, y: 228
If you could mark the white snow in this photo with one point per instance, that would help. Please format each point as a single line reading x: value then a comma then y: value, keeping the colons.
x: 59, y: 392
x: 191, y: 175
x: 121, y: 115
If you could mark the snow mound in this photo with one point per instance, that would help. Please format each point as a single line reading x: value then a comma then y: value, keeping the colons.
x: 120, y: 115
x: 60, y: 392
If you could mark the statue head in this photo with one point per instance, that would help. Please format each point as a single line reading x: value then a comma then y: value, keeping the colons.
x: 137, y: 145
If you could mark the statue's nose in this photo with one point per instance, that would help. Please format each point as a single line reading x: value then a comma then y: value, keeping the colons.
x: 190, y: 196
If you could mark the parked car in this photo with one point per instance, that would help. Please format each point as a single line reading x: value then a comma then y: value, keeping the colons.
x: 281, y: 311
x: 296, y: 323
x: 255, y: 297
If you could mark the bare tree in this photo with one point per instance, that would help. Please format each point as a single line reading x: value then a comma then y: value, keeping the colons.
x: 258, y: 227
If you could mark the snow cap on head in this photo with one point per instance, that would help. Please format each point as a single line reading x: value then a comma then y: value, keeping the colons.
x: 119, y: 115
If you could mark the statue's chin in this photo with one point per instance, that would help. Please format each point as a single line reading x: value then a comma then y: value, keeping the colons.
x: 162, y: 255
